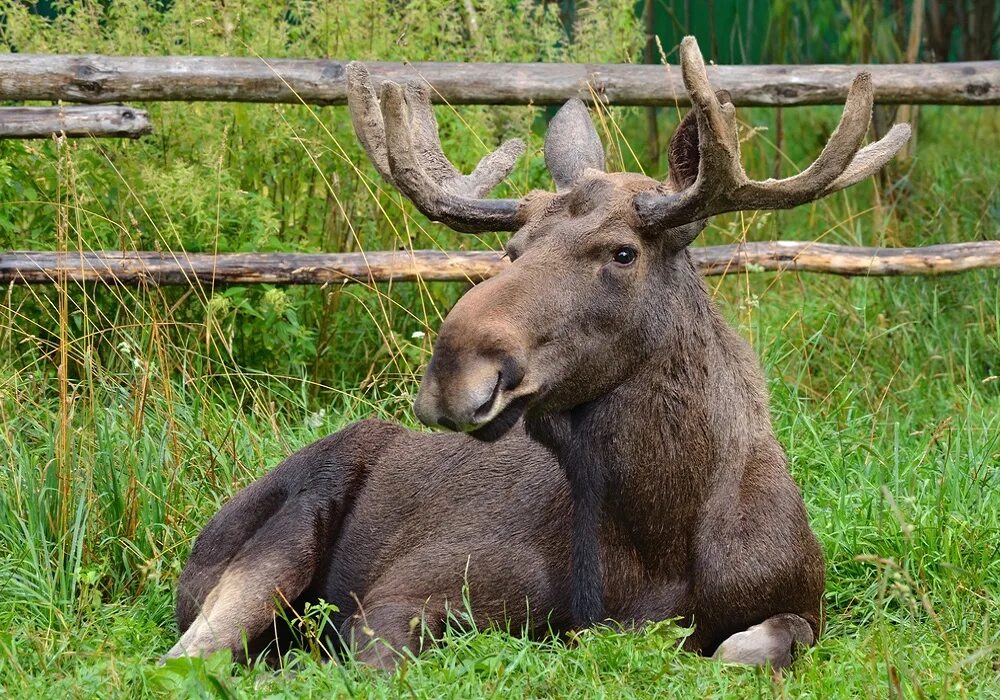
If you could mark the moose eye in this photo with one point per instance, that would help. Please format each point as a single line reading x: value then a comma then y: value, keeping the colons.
x: 625, y: 255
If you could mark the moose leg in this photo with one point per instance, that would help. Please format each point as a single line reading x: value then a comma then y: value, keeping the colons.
x: 508, y: 584
x: 272, y: 568
x: 262, y: 550
x: 773, y: 641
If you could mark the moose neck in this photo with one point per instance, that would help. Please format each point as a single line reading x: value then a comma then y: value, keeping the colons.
x: 642, y: 459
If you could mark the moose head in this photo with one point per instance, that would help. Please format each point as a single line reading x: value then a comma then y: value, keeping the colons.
x: 599, y: 271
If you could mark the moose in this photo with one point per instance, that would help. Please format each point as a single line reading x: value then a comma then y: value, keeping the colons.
x: 609, y: 454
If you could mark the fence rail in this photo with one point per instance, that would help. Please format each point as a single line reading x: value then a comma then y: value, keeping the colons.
x: 135, y: 268
x: 73, y: 121
x: 96, y: 79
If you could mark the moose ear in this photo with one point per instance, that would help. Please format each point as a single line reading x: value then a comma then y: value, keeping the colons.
x: 572, y: 145
x: 683, y: 156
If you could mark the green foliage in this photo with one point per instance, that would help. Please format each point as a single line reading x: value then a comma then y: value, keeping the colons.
x: 128, y: 416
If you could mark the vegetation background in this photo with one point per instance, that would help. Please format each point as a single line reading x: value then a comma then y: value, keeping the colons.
x: 128, y: 416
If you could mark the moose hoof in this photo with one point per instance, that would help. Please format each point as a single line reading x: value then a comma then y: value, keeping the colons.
x: 772, y: 642
x: 176, y: 652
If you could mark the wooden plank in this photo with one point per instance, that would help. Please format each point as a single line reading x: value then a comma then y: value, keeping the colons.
x: 133, y: 268
x: 95, y: 79
x: 73, y: 121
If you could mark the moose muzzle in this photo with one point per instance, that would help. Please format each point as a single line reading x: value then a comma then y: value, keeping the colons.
x: 469, y: 392
x: 477, y: 369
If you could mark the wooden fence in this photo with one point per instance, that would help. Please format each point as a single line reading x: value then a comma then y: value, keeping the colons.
x: 100, y: 79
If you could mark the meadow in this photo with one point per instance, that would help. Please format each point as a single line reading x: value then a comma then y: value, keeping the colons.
x: 129, y: 415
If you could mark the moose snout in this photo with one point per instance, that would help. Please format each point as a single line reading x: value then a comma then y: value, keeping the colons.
x: 468, y: 392
x: 480, y: 359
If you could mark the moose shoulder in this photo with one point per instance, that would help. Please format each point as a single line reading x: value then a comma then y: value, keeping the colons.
x: 613, y: 455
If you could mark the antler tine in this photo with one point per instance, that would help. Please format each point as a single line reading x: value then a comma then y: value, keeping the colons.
x: 489, y: 172
x: 400, y: 136
x: 367, y: 117
x: 722, y: 184
x: 494, y: 167
x: 870, y: 159
x: 717, y: 120
x: 424, y: 132
x: 719, y: 168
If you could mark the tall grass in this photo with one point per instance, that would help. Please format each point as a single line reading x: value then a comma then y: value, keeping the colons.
x: 129, y: 415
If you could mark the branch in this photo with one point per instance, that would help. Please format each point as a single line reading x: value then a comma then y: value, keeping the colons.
x: 135, y: 268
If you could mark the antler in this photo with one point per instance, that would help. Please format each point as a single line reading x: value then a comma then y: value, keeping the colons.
x: 722, y: 185
x: 400, y: 135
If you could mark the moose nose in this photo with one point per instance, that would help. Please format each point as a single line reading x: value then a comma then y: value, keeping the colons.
x: 466, y: 395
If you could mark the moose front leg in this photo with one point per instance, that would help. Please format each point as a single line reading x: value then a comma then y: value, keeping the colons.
x: 773, y: 642
x: 269, y: 570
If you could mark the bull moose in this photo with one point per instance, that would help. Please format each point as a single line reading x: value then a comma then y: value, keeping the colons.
x: 611, y: 454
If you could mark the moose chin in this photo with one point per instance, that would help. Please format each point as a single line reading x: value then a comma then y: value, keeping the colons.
x: 608, y: 453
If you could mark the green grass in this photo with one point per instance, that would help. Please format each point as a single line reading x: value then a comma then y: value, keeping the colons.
x: 128, y: 416
x: 893, y: 429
